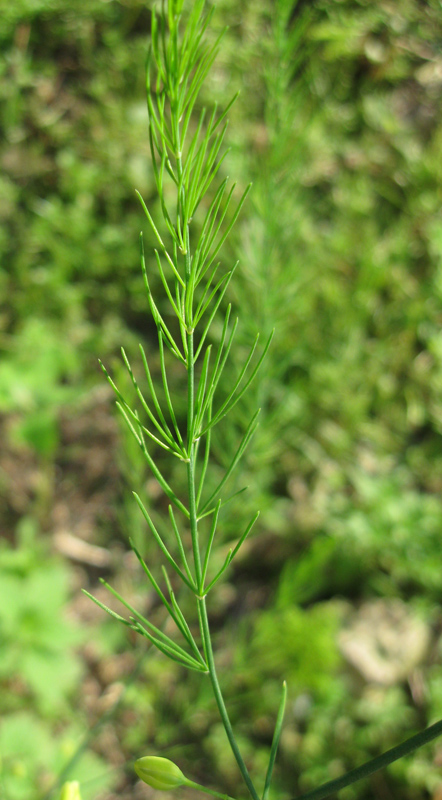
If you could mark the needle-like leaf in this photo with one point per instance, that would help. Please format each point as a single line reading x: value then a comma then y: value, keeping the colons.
x: 172, y: 653
x: 242, y: 446
x: 166, y: 435
x: 220, y: 573
x: 166, y: 386
x: 224, y: 502
x: 155, y: 313
x: 160, y: 542
x: 160, y: 478
x: 201, y: 391
x: 218, y: 368
x: 160, y: 241
x: 209, y: 546
x: 180, y: 546
x: 234, y: 396
x: 244, y: 535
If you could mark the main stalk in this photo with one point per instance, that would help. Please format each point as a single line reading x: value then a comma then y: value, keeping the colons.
x: 202, y: 608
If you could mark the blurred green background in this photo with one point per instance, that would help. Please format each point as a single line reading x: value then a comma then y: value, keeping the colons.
x: 339, y: 126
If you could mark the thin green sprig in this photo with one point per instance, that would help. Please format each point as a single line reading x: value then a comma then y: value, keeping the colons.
x: 186, y: 150
x: 375, y: 764
x: 187, y: 158
x: 275, y: 741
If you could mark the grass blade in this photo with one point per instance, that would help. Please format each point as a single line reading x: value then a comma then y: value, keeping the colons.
x: 275, y: 741
x: 370, y: 767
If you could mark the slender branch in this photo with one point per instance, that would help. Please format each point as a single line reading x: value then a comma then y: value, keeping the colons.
x: 219, y: 795
x: 208, y: 650
x: 375, y: 764
x: 191, y: 462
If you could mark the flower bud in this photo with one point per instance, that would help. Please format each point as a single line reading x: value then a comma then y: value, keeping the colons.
x: 70, y: 791
x: 160, y: 773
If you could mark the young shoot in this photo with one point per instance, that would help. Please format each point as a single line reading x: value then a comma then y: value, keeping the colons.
x: 198, y: 211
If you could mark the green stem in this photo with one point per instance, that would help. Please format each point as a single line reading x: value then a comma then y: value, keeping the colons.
x: 205, y: 631
x: 193, y: 785
x: 375, y: 764
x: 191, y: 449
x: 191, y: 462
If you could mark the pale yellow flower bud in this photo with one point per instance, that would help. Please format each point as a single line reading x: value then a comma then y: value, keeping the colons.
x: 70, y: 791
x: 160, y: 773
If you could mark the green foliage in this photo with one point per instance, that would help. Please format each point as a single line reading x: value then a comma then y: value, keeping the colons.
x: 62, y: 201
x: 34, y: 381
x: 394, y: 530
x: 277, y: 643
x: 38, y: 640
x: 33, y: 754
x: 39, y: 672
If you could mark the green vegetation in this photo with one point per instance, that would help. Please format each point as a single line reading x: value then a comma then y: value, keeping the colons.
x: 338, y: 125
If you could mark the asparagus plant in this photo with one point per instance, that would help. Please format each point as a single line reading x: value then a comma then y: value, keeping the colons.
x: 198, y: 212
